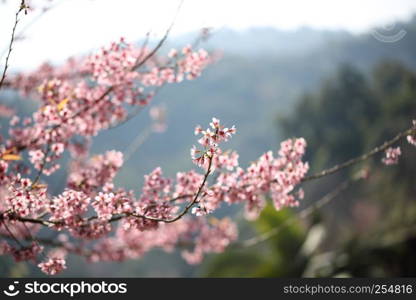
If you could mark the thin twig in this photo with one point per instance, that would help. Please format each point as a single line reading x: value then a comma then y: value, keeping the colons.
x: 162, y: 41
x: 189, y: 206
x: 33, y: 21
x: 329, y: 197
x: 22, y: 7
x: 42, y: 167
x: 361, y: 158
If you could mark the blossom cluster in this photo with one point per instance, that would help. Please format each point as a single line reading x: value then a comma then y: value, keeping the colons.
x: 90, y: 206
x: 211, y: 137
x: 91, y: 216
x: 90, y: 94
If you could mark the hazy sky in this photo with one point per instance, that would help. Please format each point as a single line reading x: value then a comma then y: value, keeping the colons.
x: 76, y: 26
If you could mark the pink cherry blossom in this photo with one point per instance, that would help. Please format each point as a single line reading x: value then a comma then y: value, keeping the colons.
x: 391, y: 156
x: 91, y: 216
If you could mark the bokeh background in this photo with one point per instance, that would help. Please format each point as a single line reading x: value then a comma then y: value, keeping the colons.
x: 342, y: 74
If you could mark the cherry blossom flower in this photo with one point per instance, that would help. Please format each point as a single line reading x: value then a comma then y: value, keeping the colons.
x: 391, y: 156
x: 53, y: 266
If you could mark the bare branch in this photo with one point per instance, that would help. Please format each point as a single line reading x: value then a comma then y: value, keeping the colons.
x: 22, y: 7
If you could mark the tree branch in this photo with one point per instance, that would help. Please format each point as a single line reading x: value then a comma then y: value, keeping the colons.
x: 361, y: 158
x: 22, y: 7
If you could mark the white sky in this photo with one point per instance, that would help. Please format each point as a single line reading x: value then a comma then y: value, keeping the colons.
x: 77, y: 26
